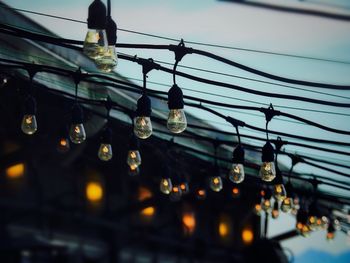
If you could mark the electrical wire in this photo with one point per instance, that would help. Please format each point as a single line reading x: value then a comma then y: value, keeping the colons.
x: 189, y: 42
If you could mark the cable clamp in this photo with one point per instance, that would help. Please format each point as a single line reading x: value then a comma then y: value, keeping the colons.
x: 180, y: 50
x: 270, y: 112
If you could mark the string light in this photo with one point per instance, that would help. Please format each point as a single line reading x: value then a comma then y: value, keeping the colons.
x: 330, y: 232
x: 175, y: 194
x: 63, y: 145
x: 15, y: 171
x: 215, y: 183
x: 236, y: 192
x: 77, y: 132
x: 201, y: 193
x: 301, y: 224
x: 236, y: 174
x: 275, y: 212
x: 96, y: 43
x: 166, y: 186
x: 29, y: 124
x: 184, y: 187
x: 133, y: 170
x: 267, y: 171
x: 133, y: 157
x: 105, y: 152
x: 189, y: 222
x: 266, y: 202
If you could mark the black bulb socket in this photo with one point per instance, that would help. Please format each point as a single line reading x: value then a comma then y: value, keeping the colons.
x: 111, y: 30
x: 268, y: 153
x: 238, y: 155
x: 134, y: 144
x: 77, y: 114
x: 30, y: 106
x: 175, y: 98
x: 144, y: 106
x: 97, y: 15
x: 107, y: 136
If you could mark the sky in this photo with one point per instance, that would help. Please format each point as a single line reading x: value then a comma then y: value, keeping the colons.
x: 234, y: 25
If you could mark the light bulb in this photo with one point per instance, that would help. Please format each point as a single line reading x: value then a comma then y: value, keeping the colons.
x: 77, y: 133
x: 257, y: 209
x: 266, y: 205
x: 133, y: 170
x: 184, y: 188
x: 177, y: 122
x: 134, y: 158
x: 29, y: 125
x: 286, y: 205
x: 330, y: 236
x: 108, y: 61
x: 201, y: 194
x: 166, y: 185
x: 215, y: 183
x: 236, y: 174
x: 279, y: 192
x: 175, y: 194
x: 267, y: 171
x: 105, y: 152
x: 95, y: 44
x: 142, y: 127
x: 236, y: 192
x: 63, y: 145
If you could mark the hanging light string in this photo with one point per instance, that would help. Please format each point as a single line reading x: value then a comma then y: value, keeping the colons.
x: 59, y: 41
x: 66, y: 72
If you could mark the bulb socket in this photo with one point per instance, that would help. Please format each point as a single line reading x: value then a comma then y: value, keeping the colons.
x: 30, y: 106
x: 111, y: 30
x: 107, y: 136
x: 238, y: 155
x: 97, y: 15
x: 175, y: 98
x: 144, y: 106
x: 268, y: 153
x: 77, y: 114
x: 134, y: 144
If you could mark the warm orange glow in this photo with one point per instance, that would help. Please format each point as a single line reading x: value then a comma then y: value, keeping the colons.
x: 132, y: 155
x: 223, y: 229
x: 330, y: 236
x: 133, y: 167
x: 278, y: 188
x: 15, y: 171
x: 262, y: 193
x: 105, y: 149
x: 183, y: 186
x: 299, y: 226
x: 201, y: 192
x: 189, y: 222
x: 247, y: 236
x: 148, y: 211
x: 235, y: 191
x: 76, y: 129
x: 94, y: 191
x: 216, y: 180
x: 257, y: 207
x: 144, y: 193
x: 63, y: 142
x: 176, y: 189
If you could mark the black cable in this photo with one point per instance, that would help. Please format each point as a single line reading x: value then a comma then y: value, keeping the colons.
x: 67, y: 72
x: 218, y: 58
x: 189, y: 42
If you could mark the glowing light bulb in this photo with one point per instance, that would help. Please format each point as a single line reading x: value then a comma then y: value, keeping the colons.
x: 236, y: 174
x: 142, y: 127
x: 134, y: 158
x: 166, y: 185
x: 184, y: 188
x: 108, y: 61
x: 257, y: 209
x: 236, y: 192
x: 201, y: 194
x: 105, y: 152
x: 63, y: 145
x: 95, y: 43
x: 94, y: 191
x: 279, y: 192
x: 29, y: 125
x: 215, y: 183
x: 177, y: 121
x: 175, y: 194
x: 133, y: 170
x: 77, y: 131
x: 267, y: 171
x: 266, y: 205
x: 286, y: 205
x: 189, y: 222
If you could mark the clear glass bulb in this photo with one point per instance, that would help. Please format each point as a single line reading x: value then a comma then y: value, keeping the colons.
x: 95, y: 44
x: 133, y: 170
x: 215, y: 183
x: 279, y: 192
x: 63, y: 145
x: 108, y: 61
x: 266, y: 205
x: 134, y: 158
x: 105, y: 152
x: 29, y: 125
x: 201, y: 194
x: 175, y: 194
x: 275, y: 213
x: 77, y: 133
x: 267, y: 171
x: 142, y: 127
x: 286, y: 205
x: 257, y: 209
x: 165, y: 185
x: 236, y: 174
x: 185, y: 188
x: 177, y: 121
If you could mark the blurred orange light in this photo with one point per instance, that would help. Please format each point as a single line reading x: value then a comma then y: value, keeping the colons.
x: 235, y: 191
x: 15, y: 171
x: 189, y: 222
x: 247, y: 236
x: 223, y: 229
x: 144, y: 193
x: 94, y: 191
x: 148, y: 211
